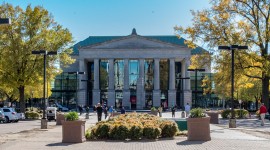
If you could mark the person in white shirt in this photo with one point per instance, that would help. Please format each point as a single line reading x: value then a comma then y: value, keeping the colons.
x: 187, y: 109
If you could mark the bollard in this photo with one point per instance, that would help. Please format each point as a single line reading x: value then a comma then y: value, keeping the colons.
x: 183, y: 115
x: 87, y: 116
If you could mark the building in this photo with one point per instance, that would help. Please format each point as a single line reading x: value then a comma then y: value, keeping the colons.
x: 133, y: 71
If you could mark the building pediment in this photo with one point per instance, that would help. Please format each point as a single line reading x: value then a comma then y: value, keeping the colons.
x: 133, y: 42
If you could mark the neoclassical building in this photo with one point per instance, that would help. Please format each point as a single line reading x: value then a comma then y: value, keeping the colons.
x: 133, y: 71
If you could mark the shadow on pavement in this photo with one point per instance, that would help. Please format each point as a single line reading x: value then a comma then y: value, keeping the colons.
x: 60, y: 144
x: 190, y: 142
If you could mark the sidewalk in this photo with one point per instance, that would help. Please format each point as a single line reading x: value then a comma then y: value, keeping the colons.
x: 222, y: 138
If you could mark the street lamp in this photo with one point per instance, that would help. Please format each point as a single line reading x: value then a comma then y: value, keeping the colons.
x: 5, y: 21
x: 44, y: 53
x: 76, y: 73
x: 182, y: 90
x: 232, y: 122
x: 196, y: 86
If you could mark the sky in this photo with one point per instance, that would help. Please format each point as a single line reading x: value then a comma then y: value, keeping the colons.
x: 86, y: 18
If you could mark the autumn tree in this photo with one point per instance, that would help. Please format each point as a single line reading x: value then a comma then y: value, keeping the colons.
x: 231, y: 22
x: 31, y: 29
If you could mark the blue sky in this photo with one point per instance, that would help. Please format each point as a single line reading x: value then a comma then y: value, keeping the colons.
x: 86, y: 18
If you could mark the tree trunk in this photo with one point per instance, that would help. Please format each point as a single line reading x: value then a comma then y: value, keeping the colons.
x: 22, y: 101
x: 265, y: 91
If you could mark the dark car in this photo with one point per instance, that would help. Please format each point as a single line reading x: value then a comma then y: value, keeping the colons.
x: 2, y: 117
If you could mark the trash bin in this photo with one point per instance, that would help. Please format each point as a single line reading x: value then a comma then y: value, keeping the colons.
x: 213, y: 117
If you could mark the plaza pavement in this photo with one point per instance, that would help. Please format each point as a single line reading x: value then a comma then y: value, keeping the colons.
x: 222, y: 138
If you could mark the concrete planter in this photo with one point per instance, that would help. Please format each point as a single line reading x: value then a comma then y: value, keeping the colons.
x: 73, y: 131
x: 213, y: 117
x: 198, y: 129
x: 59, y: 118
x: 154, y: 112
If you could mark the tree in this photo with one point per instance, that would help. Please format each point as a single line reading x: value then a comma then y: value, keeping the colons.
x: 230, y: 22
x: 31, y: 29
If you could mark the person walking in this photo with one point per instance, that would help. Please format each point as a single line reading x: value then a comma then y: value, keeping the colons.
x: 173, y: 111
x: 80, y: 109
x: 187, y: 109
x: 106, y: 112
x: 111, y: 111
x: 99, y: 111
x: 123, y: 111
x: 263, y: 111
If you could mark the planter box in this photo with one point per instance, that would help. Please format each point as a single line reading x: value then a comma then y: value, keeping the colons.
x: 199, y: 129
x: 73, y: 131
x: 59, y: 119
x: 154, y: 113
x: 213, y: 117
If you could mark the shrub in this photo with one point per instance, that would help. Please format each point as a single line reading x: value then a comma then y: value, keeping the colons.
x: 239, y: 113
x: 226, y: 113
x: 136, y: 132
x: 153, y: 109
x: 31, y: 115
x: 151, y: 131
x: 168, y: 128
x: 102, y: 131
x: 72, y: 116
x: 119, y: 132
x: 197, y: 113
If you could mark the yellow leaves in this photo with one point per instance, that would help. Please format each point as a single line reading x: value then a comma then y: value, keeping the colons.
x: 203, y: 18
x: 190, y: 44
x: 224, y: 16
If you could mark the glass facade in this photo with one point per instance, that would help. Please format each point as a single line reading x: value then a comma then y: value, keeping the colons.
x: 133, y: 78
x: 64, y: 90
x: 164, y: 81
x: 148, y: 84
x: 104, y: 81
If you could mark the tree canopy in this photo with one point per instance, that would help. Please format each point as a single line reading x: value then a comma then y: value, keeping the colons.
x: 235, y: 22
x: 31, y: 29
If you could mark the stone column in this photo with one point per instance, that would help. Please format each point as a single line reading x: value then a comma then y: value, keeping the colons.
x: 140, y: 86
x: 126, y: 91
x: 156, y: 91
x: 81, y: 91
x: 172, y: 91
x: 96, y: 90
x: 111, y: 91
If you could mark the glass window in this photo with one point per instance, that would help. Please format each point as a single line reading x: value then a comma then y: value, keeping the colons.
x: 118, y: 99
x: 149, y: 74
x: 104, y: 74
x: 133, y: 74
x: 119, y: 74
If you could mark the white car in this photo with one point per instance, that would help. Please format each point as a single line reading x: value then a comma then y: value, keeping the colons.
x: 10, y: 114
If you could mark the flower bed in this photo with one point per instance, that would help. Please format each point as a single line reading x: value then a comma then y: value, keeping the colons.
x: 133, y: 126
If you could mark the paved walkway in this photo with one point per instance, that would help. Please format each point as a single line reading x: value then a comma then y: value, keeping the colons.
x: 222, y: 138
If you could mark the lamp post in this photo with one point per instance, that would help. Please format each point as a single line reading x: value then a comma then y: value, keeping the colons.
x: 44, y: 53
x: 182, y: 89
x: 5, y: 21
x: 76, y: 73
x: 196, y: 86
x: 232, y: 122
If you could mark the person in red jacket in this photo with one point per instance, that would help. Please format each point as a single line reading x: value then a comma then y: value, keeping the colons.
x: 263, y: 111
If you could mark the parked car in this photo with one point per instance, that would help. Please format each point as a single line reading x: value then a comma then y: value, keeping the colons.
x: 51, y: 113
x: 10, y: 114
x: 61, y: 108
x: 21, y: 116
x: 2, y: 117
